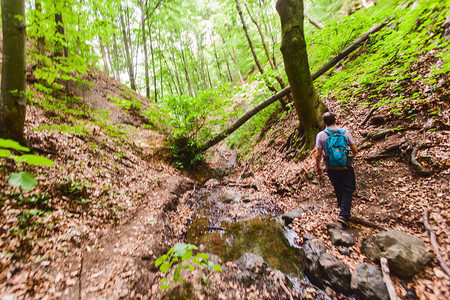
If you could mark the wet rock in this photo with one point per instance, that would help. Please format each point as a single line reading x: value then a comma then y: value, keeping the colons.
x: 248, y: 261
x: 229, y: 196
x: 290, y: 216
x: 212, y: 183
x: 367, y: 282
x: 341, y: 237
x: 336, y: 274
x: 308, y: 237
x: 312, y: 250
x: 343, y: 250
x: 406, y: 254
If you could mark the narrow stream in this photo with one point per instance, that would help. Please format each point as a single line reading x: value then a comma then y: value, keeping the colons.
x: 264, y: 236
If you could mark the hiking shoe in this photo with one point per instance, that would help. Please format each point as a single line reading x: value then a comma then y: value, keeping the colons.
x: 344, y: 222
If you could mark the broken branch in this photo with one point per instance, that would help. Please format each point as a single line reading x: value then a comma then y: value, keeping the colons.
x: 420, y: 170
x: 387, y: 279
x: 287, y: 90
x: 434, y: 243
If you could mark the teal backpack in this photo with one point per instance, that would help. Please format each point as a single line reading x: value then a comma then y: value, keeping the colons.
x: 336, y: 149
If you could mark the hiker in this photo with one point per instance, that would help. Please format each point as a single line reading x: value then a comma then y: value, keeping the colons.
x: 332, y: 144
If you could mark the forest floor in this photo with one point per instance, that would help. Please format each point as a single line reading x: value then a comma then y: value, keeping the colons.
x: 98, y: 220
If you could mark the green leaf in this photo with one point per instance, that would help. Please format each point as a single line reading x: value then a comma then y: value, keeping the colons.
x: 217, y: 268
x: 165, y: 286
x: 189, y: 267
x: 202, y: 255
x: 10, y: 144
x: 181, y: 248
x: 36, y: 160
x: 164, y: 267
x: 23, y: 179
x: 4, y: 153
x: 187, y: 255
x: 176, y: 274
x: 160, y: 260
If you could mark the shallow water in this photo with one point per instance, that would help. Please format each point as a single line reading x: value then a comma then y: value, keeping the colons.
x: 263, y: 236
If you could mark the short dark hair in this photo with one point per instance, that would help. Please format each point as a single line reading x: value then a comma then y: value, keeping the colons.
x: 329, y: 118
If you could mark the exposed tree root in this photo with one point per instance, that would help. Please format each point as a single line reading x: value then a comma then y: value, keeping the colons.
x: 434, y: 243
x: 366, y: 223
x: 417, y: 166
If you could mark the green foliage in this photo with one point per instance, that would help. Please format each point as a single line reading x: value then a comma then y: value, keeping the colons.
x: 182, y: 257
x: 191, y: 121
x: 24, y: 180
x: 129, y: 105
x: 388, y: 55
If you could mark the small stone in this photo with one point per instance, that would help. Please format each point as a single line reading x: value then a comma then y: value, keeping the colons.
x: 343, y: 250
x: 211, y: 183
x: 229, y: 196
x: 367, y: 282
x: 290, y: 216
x: 341, y: 237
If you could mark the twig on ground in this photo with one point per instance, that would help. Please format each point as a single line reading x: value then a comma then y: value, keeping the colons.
x: 367, y: 223
x: 434, y: 243
x: 387, y: 278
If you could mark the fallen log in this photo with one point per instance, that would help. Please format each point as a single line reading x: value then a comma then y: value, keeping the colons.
x: 287, y: 90
x: 434, y: 243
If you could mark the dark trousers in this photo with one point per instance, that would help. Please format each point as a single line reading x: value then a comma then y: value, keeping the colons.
x: 344, y: 185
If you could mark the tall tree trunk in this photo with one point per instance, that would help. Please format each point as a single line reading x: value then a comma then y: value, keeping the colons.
x: 116, y: 57
x: 127, y: 52
x: 102, y: 48
x: 250, y: 43
x: 293, y: 47
x: 59, y: 47
x: 171, y: 77
x: 263, y: 42
x: 219, y: 75
x: 161, y: 94
x: 13, y: 89
x: 202, y: 61
x: 175, y: 68
x: 144, y: 42
x: 41, y: 38
x: 153, y: 64
x: 235, y: 60
x: 186, y: 72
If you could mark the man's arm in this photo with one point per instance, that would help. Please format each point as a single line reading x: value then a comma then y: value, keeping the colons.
x: 354, y: 149
x: 319, y: 155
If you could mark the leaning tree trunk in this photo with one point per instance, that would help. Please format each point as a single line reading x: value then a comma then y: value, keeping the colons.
x: 13, y: 90
x: 293, y: 47
x: 104, y: 55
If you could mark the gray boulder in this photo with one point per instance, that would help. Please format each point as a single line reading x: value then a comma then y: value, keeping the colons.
x: 341, y: 237
x: 229, y: 196
x: 367, y: 282
x: 406, y: 254
x: 249, y: 261
x: 336, y: 273
x: 290, y: 216
x: 312, y: 250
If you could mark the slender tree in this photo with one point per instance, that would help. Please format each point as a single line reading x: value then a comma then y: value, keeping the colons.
x: 293, y: 46
x: 13, y: 89
x: 126, y: 43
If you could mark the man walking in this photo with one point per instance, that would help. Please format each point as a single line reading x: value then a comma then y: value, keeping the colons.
x: 341, y: 176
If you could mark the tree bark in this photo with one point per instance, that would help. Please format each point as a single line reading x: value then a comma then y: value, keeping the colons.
x: 116, y: 57
x: 250, y: 43
x: 13, y: 86
x: 104, y: 57
x: 263, y: 42
x: 241, y: 121
x: 144, y: 42
x: 293, y: 47
x: 127, y: 52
